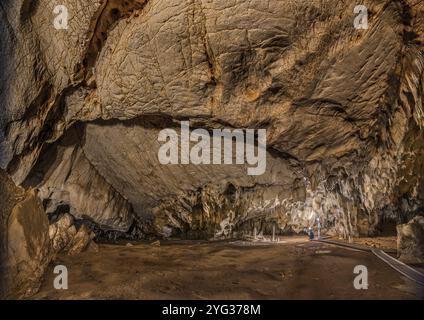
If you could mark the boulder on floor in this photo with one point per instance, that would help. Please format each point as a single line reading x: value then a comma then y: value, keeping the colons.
x: 28, y: 246
x: 81, y: 241
x: 62, y: 232
x: 66, y: 238
x: 410, y: 241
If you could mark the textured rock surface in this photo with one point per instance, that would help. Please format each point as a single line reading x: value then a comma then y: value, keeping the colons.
x: 411, y: 241
x: 62, y: 232
x: 82, y: 108
x: 65, y: 237
x: 29, y: 243
x: 25, y: 242
x: 10, y: 196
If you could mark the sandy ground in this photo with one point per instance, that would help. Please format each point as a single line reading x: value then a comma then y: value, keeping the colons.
x: 377, y: 242
x: 296, y: 269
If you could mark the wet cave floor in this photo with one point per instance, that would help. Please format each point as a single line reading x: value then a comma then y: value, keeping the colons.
x: 295, y: 269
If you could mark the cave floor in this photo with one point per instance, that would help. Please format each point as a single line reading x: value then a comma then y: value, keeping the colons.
x: 297, y: 269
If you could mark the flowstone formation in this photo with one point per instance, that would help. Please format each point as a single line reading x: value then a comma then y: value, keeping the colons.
x: 82, y: 108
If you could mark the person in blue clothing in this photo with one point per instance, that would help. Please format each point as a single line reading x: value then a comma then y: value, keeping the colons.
x: 311, y: 233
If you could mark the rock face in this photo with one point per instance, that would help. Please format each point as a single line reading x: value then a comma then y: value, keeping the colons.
x: 81, y: 241
x: 411, y: 241
x: 82, y: 109
x: 65, y: 237
x: 25, y: 244
x: 9, y: 197
x: 62, y: 232
x: 29, y: 243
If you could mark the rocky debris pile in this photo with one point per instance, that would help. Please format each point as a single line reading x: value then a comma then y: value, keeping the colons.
x: 28, y: 243
x: 410, y: 241
x: 32, y: 244
x: 65, y: 237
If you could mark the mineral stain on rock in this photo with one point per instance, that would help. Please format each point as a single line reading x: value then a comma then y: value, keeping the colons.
x: 81, y: 110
